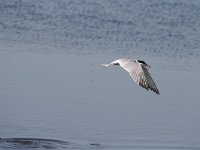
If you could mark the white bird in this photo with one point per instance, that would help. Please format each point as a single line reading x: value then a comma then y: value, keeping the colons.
x: 138, y: 70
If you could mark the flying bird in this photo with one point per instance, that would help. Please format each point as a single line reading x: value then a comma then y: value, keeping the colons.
x: 138, y: 70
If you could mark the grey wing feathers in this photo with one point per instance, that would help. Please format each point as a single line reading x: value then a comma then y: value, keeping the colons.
x: 143, y: 78
x: 146, y: 81
x: 139, y: 73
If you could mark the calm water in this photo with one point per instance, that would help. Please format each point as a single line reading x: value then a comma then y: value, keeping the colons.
x: 55, y: 95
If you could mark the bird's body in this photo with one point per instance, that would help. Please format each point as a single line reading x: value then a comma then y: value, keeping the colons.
x: 138, y: 70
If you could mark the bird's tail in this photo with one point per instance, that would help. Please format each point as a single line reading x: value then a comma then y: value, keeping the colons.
x: 106, y: 65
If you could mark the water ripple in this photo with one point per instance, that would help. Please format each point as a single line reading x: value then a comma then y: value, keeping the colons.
x: 39, y: 143
x: 154, y: 28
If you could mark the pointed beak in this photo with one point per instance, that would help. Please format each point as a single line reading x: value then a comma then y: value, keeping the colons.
x: 148, y: 66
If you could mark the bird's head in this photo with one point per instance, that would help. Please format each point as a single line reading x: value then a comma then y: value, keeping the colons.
x: 144, y: 63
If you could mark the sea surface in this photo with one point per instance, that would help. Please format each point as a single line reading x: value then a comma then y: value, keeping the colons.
x: 54, y: 94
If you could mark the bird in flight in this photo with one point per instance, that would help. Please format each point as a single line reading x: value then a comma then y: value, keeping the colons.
x: 138, y: 70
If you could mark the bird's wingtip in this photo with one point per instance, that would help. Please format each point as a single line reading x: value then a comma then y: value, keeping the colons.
x: 157, y: 92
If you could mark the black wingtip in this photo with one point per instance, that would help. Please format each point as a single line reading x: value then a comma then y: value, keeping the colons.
x: 157, y: 92
x: 154, y: 90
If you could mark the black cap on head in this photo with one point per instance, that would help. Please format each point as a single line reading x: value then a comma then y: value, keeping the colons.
x: 141, y: 61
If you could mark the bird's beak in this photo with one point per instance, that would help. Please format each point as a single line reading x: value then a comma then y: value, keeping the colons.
x: 148, y: 66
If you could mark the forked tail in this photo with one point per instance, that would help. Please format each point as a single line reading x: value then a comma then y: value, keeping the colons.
x: 106, y: 65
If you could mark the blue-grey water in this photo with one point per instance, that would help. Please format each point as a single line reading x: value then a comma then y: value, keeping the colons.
x: 55, y: 95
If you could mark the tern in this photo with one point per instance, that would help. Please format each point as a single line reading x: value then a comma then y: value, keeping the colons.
x: 138, y: 70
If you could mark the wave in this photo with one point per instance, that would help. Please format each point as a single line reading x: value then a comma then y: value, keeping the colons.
x: 41, y: 143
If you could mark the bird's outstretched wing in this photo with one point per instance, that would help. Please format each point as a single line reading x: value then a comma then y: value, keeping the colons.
x: 138, y: 72
x: 143, y: 78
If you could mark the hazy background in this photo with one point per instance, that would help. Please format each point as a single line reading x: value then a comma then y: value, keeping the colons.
x: 53, y: 89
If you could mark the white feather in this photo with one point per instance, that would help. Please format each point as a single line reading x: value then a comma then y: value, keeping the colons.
x: 138, y: 72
